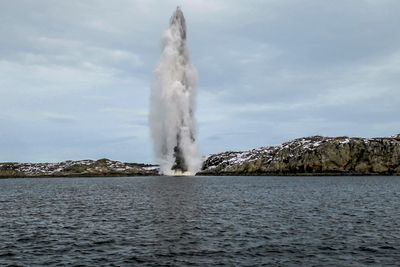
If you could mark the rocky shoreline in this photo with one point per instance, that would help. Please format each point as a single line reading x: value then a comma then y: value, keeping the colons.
x: 315, y: 155
x: 79, y: 168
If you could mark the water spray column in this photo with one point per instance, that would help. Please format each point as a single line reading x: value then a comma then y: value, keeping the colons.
x: 172, y: 104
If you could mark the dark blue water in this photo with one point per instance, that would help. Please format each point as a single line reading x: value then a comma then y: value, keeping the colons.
x: 156, y: 221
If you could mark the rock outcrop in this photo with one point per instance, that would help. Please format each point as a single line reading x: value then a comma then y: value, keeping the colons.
x: 314, y: 155
x: 102, y: 167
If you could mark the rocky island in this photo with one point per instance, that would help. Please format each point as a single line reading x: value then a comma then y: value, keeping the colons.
x: 78, y: 168
x: 315, y: 155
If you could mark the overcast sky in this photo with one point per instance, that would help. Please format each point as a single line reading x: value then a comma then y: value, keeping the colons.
x: 75, y: 75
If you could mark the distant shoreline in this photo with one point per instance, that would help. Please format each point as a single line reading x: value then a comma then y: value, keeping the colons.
x: 308, y: 156
x: 203, y: 175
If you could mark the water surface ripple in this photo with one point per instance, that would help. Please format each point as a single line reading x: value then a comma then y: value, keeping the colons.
x: 200, y: 221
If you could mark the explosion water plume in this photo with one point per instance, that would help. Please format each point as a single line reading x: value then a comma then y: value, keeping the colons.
x: 172, y: 101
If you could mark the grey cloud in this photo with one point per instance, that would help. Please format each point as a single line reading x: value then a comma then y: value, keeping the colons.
x: 60, y: 118
x: 75, y: 75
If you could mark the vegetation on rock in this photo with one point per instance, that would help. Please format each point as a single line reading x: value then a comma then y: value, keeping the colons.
x: 102, y: 167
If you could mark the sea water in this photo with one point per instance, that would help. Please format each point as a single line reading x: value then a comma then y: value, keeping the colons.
x: 153, y: 221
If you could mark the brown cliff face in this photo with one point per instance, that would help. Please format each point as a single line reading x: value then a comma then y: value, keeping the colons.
x: 314, y: 155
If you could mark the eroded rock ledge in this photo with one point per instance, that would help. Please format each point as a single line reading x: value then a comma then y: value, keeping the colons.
x: 315, y: 155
